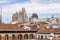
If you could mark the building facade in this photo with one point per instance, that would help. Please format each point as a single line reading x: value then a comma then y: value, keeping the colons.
x: 44, y: 29
x: 32, y: 31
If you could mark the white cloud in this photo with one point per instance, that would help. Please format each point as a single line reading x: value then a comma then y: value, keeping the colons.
x: 3, y: 2
x: 32, y: 7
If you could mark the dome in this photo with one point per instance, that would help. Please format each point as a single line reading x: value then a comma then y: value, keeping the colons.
x: 34, y: 15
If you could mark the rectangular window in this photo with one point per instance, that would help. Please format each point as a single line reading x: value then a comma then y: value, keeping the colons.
x: 41, y: 36
x: 13, y: 37
x: 45, y: 37
x: 6, y: 37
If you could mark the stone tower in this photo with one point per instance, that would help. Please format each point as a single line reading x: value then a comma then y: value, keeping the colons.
x: 21, y: 16
x: 15, y: 17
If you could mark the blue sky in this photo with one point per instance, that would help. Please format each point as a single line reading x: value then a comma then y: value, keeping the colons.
x: 44, y: 8
x: 8, y: 2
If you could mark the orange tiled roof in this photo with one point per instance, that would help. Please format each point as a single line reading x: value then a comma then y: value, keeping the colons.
x: 10, y: 27
x: 33, y: 27
x: 55, y: 30
x: 14, y: 27
x: 43, y: 22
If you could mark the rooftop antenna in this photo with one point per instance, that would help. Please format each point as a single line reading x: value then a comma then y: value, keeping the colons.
x: 8, y: 14
x: 1, y: 14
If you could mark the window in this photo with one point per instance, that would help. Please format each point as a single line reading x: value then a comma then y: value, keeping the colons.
x: 45, y: 37
x: 6, y: 37
x: 21, y: 25
x: 31, y: 36
x: 38, y: 36
x: 50, y: 36
x: 13, y: 37
x: 19, y: 37
x: 27, y: 29
x: 26, y: 36
x: 59, y: 36
x: 41, y: 36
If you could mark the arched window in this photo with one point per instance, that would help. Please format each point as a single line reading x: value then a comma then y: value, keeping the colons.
x: 41, y: 36
x: 38, y: 36
x: 26, y: 36
x: 46, y: 37
x: 19, y: 37
x: 0, y: 37
x: 6, y: 37
x: 31, y: 36
x: 13, y: 37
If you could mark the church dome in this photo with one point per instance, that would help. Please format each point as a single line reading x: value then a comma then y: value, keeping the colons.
x: 34, y: 15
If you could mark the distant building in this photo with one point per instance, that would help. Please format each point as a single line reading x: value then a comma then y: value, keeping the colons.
x: 20, y: 16
x: 43, y: 19
x: 45, y: 29
x: 15, y: 17
x: 58, y: 19
x: 28, y: 32
x: 34, y: 17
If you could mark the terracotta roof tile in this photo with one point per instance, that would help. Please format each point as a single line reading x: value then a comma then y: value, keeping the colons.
x: 56, y: 30
x: 33, y: 27
x: 10, y: 27
x: 43, y: 22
